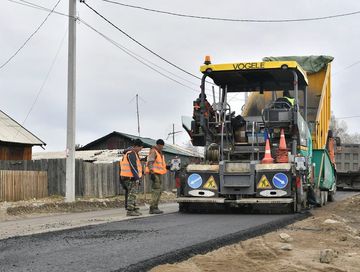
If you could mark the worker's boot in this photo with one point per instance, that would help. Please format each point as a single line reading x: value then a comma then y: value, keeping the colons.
x: 133, y: 213
x: 137, y: 209
x: 155, y: 211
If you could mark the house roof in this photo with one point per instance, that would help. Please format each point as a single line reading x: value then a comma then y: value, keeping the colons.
x: 148, y: 142
x: 12, y: 132
x: 95, y: 156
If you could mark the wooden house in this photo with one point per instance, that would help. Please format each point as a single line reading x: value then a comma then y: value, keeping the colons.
x: 16, y: 142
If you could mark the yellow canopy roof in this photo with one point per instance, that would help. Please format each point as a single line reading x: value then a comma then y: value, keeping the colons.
x: 255, y: 76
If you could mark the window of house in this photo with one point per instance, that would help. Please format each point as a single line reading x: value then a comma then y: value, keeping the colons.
x: 355, y: 156
x: 347, y: 166
x: 355, y: 167
x: 338, y: 157
x: 347, y: 156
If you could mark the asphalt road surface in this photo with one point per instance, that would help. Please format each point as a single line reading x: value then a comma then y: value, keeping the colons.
x: 132, y: 245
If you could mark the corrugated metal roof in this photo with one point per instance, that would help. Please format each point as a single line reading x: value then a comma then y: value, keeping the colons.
x: 168, y: 148
x: 96, y: 156
x: 12, y: 132
x: 148, y: 142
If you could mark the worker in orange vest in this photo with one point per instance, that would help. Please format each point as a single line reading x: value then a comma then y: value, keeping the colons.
x: 130, y: 173
x: 156, y: 167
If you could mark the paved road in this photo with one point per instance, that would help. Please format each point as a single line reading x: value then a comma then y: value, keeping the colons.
x: 118, y: 245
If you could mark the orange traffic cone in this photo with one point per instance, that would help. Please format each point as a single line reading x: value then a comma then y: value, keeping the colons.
x: 267, y: 158
x: 282, y: 152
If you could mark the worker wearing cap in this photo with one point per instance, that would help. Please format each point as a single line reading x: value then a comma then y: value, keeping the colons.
x: 131, y: 173
x: 156, y: 167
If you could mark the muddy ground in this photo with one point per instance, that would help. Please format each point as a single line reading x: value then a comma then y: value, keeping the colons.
x: 327, y: 241
x: 56, y: 204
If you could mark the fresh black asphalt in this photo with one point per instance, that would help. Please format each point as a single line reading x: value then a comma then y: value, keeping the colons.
x: 133, y: 245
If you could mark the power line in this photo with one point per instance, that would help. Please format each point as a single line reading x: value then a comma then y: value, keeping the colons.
x: 133, y: 56
x: 36, y: 6
x: 138, y: 58
x: 32, y: 5
x: 124, y: 49
x: 348, y: 117
x: 347, y: 67
x: 139, y: 43
x: 28, y: 39
x: 233, y: 19
x: 46, y: 77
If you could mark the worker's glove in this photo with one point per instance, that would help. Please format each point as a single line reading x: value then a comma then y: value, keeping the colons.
x: 152, y: 177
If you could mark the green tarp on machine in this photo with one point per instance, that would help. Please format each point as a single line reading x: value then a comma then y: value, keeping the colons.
x: 311, y: 64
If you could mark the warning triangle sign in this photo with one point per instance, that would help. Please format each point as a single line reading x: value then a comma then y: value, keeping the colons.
x: 264, y: 183
x: 210, y: 184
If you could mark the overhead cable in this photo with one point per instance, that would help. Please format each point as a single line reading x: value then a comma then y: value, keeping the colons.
x: 133, y: 56
x: 46, y: 77
x: 129, y: 52
x: 32, y: 5
x: 347, y: 67
x: 348, y: 117
x: 233, y: 19
x: 143, y: 61
x: 29, y: 38
x: 139, y: 43
x: 139, y: 58
x: 38, y: 7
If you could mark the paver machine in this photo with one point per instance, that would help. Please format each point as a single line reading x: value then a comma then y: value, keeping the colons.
x: 274, y: 152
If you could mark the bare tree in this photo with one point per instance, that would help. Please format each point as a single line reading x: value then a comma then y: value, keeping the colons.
x: 340, y: 129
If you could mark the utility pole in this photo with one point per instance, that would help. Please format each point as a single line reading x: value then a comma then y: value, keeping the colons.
x: 173, y: 133
x: 137, y: 113
x: 71, y: 106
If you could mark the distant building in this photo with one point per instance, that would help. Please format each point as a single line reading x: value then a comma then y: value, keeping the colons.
x: 118, y: 140
x: 347, y: 158
x: 16, y: 142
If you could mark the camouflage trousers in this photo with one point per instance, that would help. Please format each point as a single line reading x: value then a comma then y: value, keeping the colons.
x: 133, y: 188
x: 156, y: 191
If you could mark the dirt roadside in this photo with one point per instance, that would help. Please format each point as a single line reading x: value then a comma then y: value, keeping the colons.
x: 328, y: 241
x: 56, y: 204
x: 53, y: 214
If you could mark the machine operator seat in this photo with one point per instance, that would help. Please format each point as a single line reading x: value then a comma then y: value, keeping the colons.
x: 278, y: 113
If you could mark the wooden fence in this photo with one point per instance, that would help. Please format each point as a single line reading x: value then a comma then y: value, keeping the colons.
x: 22, y: 185
x: 91, y: 179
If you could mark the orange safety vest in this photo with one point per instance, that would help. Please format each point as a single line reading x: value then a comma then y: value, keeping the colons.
x: 125, y: 167
x: 159, y: 166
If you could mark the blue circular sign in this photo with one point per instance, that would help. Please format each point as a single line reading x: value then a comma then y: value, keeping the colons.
x: 280, y: 180
x: 194, y: 181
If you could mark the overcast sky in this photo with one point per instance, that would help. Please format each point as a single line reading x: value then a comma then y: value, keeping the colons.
x: 108, y: 79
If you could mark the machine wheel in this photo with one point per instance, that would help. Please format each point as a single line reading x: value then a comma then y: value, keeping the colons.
x: 319, y: 197
x: 298, y: 203
x: 297, y: 206
x: 331, y: 196
x: 322, y: 198
x: 325, y: 195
